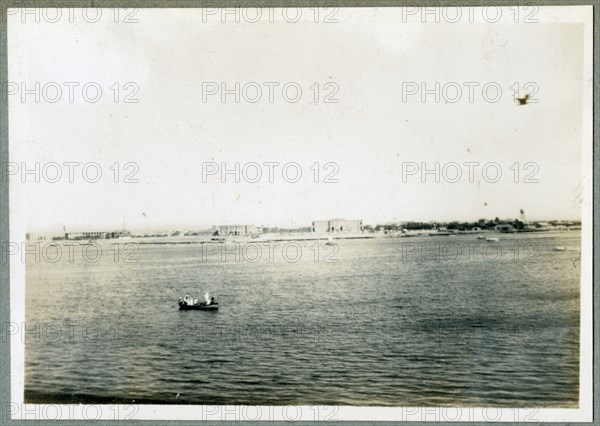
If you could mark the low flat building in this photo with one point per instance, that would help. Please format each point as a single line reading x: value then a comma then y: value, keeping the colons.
x: 95, y: 235
x: 237, y: 230
x: 337, y: 226
x: 35, y: 237
x: 320, y: 226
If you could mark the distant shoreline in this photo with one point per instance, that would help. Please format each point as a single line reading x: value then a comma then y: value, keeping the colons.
x: 273, y: 238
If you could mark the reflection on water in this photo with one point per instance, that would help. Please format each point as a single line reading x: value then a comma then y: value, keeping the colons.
x: 394, y: 322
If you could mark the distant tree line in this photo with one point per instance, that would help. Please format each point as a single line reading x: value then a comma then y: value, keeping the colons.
x: 466, y: 226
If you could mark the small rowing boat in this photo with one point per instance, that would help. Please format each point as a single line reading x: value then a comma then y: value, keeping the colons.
x: 200, y: 306
x: 190, y: 304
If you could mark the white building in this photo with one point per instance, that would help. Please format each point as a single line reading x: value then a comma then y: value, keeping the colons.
x: 238, y: 230
x: 95, y: 235
x: 337, y: 226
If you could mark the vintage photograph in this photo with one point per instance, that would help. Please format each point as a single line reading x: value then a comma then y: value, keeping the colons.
x: 300, y: 213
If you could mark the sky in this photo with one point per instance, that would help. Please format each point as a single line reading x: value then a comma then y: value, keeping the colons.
x: 375, y: 139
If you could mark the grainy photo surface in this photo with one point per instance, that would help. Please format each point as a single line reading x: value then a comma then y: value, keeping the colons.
x: 294, y: 212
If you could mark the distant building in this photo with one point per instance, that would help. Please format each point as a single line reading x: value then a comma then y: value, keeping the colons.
x: 237, y: 230
x: 35, y: 237
x: 320, y: 226
x: 337, y: 226
x: 95, y: 235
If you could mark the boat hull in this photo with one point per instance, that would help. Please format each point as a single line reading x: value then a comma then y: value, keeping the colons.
x: 198, y: 307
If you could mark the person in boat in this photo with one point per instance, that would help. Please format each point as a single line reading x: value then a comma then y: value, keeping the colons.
x: 212, y: 301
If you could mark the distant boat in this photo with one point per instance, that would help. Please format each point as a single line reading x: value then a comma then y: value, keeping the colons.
x: 492, y: 239
x: 200, y: 306
x: 189, y: 304
x: 480, y: 237
x: 330, y: 242
x: 560, y: 248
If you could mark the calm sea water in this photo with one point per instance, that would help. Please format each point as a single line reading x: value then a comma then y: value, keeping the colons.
x: 397, y: 321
